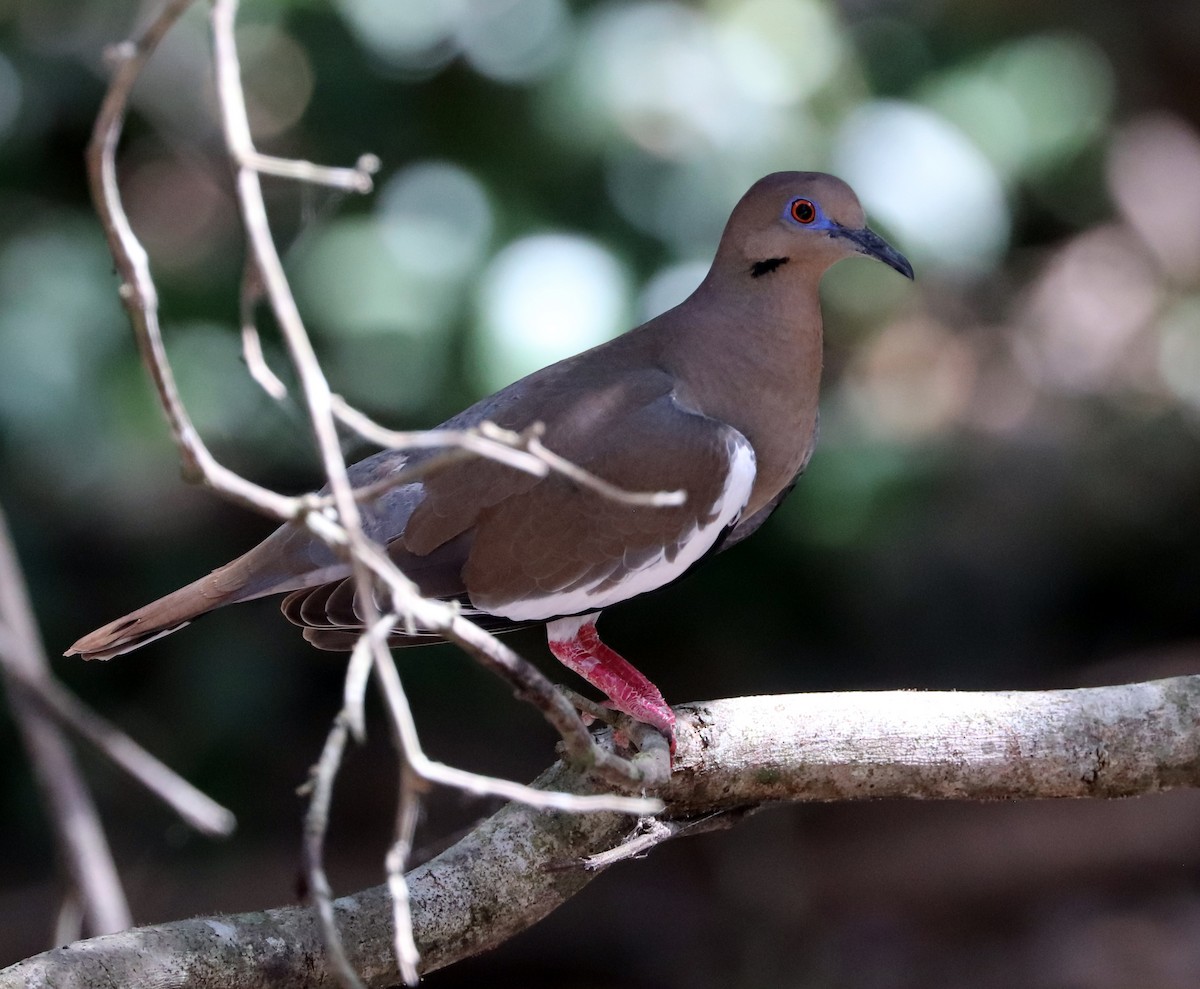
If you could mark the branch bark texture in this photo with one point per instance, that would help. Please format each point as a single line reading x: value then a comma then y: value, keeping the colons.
x: 733, y: 755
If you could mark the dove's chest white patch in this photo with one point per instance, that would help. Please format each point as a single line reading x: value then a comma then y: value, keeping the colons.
x: 623, y: 582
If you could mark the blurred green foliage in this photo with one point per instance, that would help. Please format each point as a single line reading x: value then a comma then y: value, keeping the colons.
x: 1009, y: 475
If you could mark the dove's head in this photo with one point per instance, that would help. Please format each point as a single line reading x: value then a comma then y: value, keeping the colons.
x: 805, y: 221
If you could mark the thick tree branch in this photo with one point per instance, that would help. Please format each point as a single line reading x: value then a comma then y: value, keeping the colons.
x: 733, y: 756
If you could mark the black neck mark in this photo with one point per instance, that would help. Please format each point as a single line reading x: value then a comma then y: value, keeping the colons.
x: 760, y: 268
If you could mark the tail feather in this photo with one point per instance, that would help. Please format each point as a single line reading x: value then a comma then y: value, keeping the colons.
x: 153, y: 621
x: 226, y: 585
x: 288, y: 559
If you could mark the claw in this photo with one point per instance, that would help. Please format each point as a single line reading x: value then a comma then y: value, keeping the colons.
x: 627, y: 689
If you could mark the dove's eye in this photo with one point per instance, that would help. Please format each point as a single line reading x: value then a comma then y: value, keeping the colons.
x: 803, y: 211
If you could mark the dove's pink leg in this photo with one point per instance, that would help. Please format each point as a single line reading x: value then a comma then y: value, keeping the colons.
x: 576, y: 644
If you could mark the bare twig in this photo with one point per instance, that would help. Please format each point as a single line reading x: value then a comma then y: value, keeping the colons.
x: 585, y: 479
x: 358, y: 672
x: 403, y: 942
x: 196, y: 808
x: 356, y: 179
x: 315, y: 388
x: 336, y: 518
x: 256, y: 361
x: 138, y: 293
x: 469, y: 441
x: 481, y: 785
x: 95, y: 885
x: 652, y: 832
x: 529, y: 683
x: 68, y: 925
x: 137, y: 285
x: 316, y: 824
x: 367, y: 563
x: 523, y: 451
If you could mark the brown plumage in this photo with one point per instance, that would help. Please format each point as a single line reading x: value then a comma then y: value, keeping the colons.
x: 718, y: 397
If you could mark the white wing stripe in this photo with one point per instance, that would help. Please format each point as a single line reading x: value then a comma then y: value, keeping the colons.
x: 657, y: 570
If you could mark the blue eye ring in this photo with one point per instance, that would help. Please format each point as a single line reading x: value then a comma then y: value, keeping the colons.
x: 803, y: 211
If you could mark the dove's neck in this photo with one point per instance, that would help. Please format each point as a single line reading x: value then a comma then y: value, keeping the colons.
x: 750, y: 355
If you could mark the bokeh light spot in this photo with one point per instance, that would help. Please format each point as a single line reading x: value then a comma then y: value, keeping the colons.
x: 436, y: 220
x: 1154, y: 176
x: 914, y: 379
x: 986, y: 112
x: 1029, y: 104
x: 923, y: 179
x: 278, y: 78
x: 662, y: 77
x: 414, y: 35
x: 543, y: 298
x: 514, y: 40
x: 669, y: 287
x: 780, y: 51
x: 1179, y: 350
x: 56, y: 329
x: 349, y: 281
x: 1063, y: 84
x: 1095, y: 297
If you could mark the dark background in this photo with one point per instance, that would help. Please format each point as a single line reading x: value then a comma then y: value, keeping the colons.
x: 1006, y: 493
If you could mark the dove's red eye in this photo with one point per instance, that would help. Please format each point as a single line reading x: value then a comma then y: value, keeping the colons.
x: 803, y: 211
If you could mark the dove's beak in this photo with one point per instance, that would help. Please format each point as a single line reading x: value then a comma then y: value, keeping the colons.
x: 867, y: 241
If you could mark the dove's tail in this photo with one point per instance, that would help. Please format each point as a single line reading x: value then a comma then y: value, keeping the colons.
x: 153, y: 621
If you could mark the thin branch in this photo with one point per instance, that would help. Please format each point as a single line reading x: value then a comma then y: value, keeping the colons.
x: 341, y: 527
x: 140, y: 298
x: 358, y: 672
x: 523, y: 451
x: 732, y: 755
x: 649, y: 833
x: 507, y: 450
x: 68, y: 925
x: 488, y: 786
x: 585, y: 479
x: 256, y: 361
x: 529, y: 683
x: 137, y: 290
x: 316, y: 824
x: 319, y: 403
x: 252, y: 207
x: 193, y: 806
x: 314, y: 386
x: 404, y: 944
x: 83, y: 848
x: 356, y: 179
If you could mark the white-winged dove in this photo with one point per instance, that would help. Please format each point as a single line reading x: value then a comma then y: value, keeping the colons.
x: 717, y: 397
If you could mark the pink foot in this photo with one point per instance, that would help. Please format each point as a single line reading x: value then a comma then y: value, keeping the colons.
x: 576, y: 644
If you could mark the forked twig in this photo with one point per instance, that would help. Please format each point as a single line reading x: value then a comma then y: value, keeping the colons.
x: 94, y: 885
x: 196, y: 808
x: 336, y: 517
x: 319, y: 403
x: 316, y: 825
x: 521, y: 450
x: 137, y: 290
x: 356, y: 179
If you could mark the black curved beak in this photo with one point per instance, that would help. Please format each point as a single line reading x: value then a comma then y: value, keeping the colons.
x: 867, y: 241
